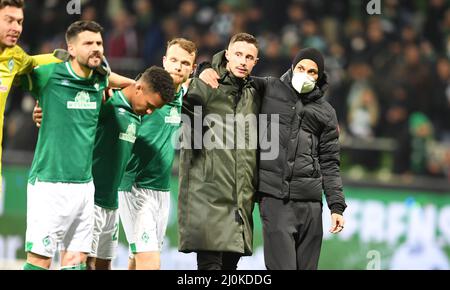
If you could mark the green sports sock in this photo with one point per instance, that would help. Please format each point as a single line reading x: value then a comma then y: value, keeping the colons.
x: 75, y: 267
x: 29, y: 266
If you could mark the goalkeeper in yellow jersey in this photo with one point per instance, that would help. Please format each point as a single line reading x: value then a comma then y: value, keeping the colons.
x: 13, y: 60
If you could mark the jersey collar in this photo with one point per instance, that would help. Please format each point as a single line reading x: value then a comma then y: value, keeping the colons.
x: 124, y: 99
x: 72, y: 72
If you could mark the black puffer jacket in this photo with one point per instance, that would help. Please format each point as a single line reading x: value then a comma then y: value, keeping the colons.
x: 308, y: 160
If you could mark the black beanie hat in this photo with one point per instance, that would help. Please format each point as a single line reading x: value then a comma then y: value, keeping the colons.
x: 312, y: 54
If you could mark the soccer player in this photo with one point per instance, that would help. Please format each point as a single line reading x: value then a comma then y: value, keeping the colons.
x: 60, y: 197
x: 13, y: 60
x: 117, y: 129
x: 144, y: 194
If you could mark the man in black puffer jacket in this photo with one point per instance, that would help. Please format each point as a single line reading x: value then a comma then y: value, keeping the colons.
x: 291, y: 185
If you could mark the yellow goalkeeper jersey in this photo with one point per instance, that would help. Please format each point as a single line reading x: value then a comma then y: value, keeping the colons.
x: 14, y: 61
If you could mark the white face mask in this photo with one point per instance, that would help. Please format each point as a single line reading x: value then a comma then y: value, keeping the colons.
x: 303, y: 83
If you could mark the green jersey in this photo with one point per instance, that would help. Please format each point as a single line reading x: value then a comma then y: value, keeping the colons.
x: 70, y: 106
x: 130, y: 173
x: 114, y: 141
x: 153, y: 154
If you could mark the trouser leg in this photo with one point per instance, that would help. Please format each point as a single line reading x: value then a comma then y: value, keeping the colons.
x: 278, y: 233
x: 209, y: 260
x: 230, y: 260
x: 310, y: 235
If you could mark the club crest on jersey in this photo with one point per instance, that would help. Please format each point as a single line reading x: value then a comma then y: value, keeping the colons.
x: 11, y: 65
x: 174, y: 117
x: 130, y: 135
x: 82, y: 102
x: 3, y: 88
x: 46, y: 241
x: 145, y: 237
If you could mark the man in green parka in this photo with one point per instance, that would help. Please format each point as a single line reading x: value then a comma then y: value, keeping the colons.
x: 218, y: 162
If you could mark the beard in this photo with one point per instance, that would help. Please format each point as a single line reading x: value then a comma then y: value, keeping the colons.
x: 86, y: 63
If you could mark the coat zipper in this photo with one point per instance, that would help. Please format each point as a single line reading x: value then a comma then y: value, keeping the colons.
x: 296, y: 149
x: 315, y: 165
x: 238, y: 212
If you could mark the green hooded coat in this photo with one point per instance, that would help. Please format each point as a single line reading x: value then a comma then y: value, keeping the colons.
x: 217, y: 185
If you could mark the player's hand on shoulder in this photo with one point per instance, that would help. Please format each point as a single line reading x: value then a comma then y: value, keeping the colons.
x: 107, y: 94
x: 61, y: 54
x: 210, y: 77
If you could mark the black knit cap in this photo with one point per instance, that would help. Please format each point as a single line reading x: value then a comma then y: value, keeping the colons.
x: 312, y: 54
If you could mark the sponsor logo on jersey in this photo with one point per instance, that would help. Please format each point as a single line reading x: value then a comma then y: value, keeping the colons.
x: 82, y: 102
x: 11, y: 65
x: 130, y: 135
x: 174, y: 117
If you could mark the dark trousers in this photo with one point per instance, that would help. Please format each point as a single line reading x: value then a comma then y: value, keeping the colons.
x: 209, y: 260
x: 292, y: 232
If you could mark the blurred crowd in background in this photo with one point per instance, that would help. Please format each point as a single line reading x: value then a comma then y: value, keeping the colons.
x: 389, y: 73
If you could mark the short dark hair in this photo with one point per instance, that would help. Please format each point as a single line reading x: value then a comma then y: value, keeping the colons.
x: 81, y: 26
x: 185, y: 44
x: 13, y: 3
x: 242, y: 36
x: 160, y: 81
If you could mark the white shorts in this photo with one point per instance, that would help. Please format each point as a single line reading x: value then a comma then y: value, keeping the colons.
x: 59, y: 214
x: 144, y: 214
x: 106, y: 233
